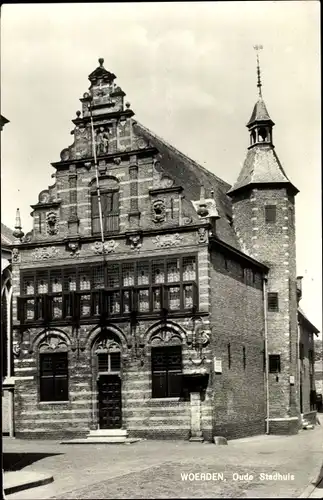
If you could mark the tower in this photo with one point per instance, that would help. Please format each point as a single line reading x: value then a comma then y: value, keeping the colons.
x: 263, y: 201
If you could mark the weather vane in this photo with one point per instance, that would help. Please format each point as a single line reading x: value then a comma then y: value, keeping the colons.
x: 257, y: 48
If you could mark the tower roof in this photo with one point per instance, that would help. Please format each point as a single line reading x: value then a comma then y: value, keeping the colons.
x: 261, y: 166
x: 101, y: 73
x: 259, y: 113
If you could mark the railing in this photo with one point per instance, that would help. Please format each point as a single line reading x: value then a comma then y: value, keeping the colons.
x: 103, y: 303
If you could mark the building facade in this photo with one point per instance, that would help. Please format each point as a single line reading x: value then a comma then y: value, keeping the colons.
x: 151, y: 296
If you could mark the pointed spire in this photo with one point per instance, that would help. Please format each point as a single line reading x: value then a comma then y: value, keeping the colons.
x: 259, y: 85
x: 18, y: 233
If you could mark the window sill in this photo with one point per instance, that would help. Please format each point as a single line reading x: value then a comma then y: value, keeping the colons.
x: 53, y: 402
x: 158, y: 400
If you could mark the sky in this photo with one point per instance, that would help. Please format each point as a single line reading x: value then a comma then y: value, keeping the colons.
x: 189, y: 72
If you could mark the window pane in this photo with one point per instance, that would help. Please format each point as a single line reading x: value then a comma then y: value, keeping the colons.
x: 42, y: 283
x: 46, y: 364
x: 159, y: 385
x: 174, y: 384
x: 189, y: 269
x: 98, y: 277
x: 60, y: 363
x: 28, y: 286
x: 85, y: 305
x: 30, y: 309
x: 70, y: 281
x: 159, y: 358
x: 143, y: 273
x: 158, y: 271
x: 103, y: 362
x: 56, y: 281
x: 113, y: 276
x: 188, y: 296
x: 114, y: 303
x: 61, y: 389
x: 85, y: 283
x: 128, y: 274
x: 156, y: 299
x: 57, y: 307
x: 173, y: 270
x: 174, y: 301
x: 47, y: 392
x: 143, y: 299
x: 115, y: 361
x: 126, y: 301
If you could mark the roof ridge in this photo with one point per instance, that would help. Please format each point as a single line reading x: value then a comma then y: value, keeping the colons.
x: 183, y: 155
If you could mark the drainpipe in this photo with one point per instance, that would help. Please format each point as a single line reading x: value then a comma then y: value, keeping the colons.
x: 299, y: 364
x: 264, y: 288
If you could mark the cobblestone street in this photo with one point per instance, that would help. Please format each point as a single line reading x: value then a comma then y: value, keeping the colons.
x: 157, y: 469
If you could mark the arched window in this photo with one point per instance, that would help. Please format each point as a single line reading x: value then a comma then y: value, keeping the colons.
x: 53, y: 369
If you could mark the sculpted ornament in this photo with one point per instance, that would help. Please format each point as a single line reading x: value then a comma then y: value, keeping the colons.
x: 74, y: 248
x: 166, y: 336
x: 53, y: 342
x: 102, y: 141
x: 15, y: 255
x: 202, y: 235
x: 168, y: 240
x: 108, y: 345
x: 159, y: 211
x: 52, y: 222
x: 135, y: 241
x: 108, y: 246
x: 45, y: 253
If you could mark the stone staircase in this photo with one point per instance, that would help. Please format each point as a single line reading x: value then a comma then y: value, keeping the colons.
x: 104, y: 436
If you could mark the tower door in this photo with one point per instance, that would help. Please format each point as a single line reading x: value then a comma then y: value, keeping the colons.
x: 109, y: 394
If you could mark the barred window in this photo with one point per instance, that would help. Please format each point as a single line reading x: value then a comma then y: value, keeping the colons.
x: 272, y: 301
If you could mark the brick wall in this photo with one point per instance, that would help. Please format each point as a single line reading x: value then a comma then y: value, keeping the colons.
x: 237, y: 320
x: 274, y: 245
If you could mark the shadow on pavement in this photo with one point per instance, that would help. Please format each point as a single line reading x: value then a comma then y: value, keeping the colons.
x: 17, y: 461
x: 319, y: 481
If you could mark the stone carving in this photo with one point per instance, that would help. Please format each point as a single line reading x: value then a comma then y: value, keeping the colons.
x: 135, y: 241
x: 52, y: 222
x: 28, y: 237
x: 52, y: 342
x: 108, y: 246
x: 166, y: 336
x: 74, y: 248
x: 202, y: 235
x: 16, y: 349
x: 45, y: 253
x: 102, y: 141
x: 141, y: 143
x: 43, y: 197
x: 65, y: 154
x: 168, y: 240
x: 107, y: 345
x: 187, y: 220
x: 117, y: 160
x: 166, y: 182
x: 15, y: 256
x: 159, y: 211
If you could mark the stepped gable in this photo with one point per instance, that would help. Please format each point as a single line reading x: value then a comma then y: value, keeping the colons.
x: 190, y: 175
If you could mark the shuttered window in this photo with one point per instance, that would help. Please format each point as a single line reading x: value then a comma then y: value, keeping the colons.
x: 53, y: 377
x: 110, y: 212
x: 166, y: 371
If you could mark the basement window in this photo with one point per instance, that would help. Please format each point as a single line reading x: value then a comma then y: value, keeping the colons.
x: 274, y: 363
x: 273, y: 301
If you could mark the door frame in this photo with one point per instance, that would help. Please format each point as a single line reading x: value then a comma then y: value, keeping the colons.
x: 108, y: 375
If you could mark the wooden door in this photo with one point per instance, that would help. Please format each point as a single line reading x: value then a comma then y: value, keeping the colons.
x: 109, y: 392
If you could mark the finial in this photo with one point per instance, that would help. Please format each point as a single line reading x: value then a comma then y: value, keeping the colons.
x: 257, y: 48
x: 78, y: 114
x: 101, y: 61
x: 202, y: 192
x: 18, y: 233
x: 127, y: 105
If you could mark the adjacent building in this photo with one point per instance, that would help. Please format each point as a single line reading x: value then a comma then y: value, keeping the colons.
x: 152, y: 299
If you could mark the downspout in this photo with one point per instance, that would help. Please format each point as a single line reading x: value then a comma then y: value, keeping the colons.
x: 9, y: 362
x: 264, y: 282
x: 299, y: 365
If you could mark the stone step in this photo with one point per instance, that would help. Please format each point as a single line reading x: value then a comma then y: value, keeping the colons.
x: 102, y: 440
x: 113, y: 433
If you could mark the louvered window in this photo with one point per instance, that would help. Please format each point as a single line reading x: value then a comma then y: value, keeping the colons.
x: 273, y: 301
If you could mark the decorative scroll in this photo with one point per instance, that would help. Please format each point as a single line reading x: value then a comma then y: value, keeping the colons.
x: 168, y: 240
x: 107, y: 345
x: 45, y: 253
